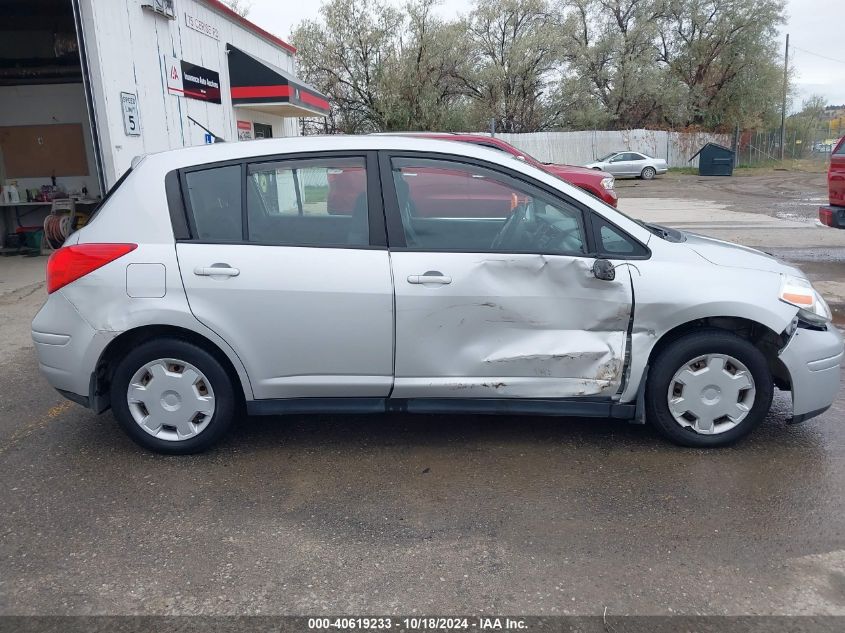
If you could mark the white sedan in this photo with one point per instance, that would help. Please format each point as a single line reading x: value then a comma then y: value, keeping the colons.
x: 630, y: 165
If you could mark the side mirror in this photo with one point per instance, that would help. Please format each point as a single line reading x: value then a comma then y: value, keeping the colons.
x: 603, y: 269
x: 520, y: 157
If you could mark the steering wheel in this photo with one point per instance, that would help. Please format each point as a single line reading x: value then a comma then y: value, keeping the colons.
x: 515, y: 226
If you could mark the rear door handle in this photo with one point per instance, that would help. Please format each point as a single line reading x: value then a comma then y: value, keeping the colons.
x: 216, y: 270
x: 430, y: 277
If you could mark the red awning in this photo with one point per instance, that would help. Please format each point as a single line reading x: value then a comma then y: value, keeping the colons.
x: 261, y: 86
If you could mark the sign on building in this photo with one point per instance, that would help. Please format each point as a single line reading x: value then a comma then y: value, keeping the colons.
x: 244, y: 130
x: 131, y: 115
x: 192, y: 81
x: 202, y: 26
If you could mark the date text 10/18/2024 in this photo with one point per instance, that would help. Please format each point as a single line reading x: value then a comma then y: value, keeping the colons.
x: 417, y: 623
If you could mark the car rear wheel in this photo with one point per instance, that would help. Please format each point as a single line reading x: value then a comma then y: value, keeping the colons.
x: 708, y: 389
x: 648, y: 173
x: 171, y: 396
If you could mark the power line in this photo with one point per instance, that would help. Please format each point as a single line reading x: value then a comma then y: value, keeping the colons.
x: 830, y: 59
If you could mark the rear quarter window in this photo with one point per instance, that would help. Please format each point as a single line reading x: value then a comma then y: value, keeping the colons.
x: 110, y: 193
x: 214, y: 197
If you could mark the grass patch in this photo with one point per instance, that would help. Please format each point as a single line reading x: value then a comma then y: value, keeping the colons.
x: 312, y: 194
x: 745, y: 169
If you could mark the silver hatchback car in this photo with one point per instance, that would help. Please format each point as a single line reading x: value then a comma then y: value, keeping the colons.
x: 374, y: 274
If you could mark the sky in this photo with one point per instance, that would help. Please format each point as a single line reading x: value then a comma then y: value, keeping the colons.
x: 814, y: 26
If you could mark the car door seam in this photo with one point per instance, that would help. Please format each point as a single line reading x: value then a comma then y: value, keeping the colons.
x: 629, y: 333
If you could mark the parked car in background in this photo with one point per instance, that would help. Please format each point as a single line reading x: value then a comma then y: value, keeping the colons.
x: 834, y: 213
x: 599, y: 184
x: 627, y: 164
x: 214, y: 280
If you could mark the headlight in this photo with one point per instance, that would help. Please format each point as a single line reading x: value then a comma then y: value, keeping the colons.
x: 800, y: 293
x: 607, y: 183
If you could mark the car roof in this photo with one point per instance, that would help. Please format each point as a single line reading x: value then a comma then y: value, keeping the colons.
x: 237, y: 150
x: 457, y: 136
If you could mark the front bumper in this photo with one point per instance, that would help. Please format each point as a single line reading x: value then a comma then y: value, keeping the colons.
x: 813, y: 359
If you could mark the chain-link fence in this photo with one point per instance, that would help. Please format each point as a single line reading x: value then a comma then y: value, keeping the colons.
x: 761, y: 147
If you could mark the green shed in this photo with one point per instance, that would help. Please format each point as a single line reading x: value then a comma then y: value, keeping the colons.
x: 715, y: 160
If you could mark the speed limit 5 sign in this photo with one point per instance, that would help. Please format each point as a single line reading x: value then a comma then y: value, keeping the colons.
x: 131, y: 115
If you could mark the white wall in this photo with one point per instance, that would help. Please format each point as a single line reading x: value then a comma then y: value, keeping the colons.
x: 127, y: 45
x: 579, y: 148
x: 44, y: 105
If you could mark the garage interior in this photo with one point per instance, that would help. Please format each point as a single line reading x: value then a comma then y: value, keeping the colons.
x: 47, y: 163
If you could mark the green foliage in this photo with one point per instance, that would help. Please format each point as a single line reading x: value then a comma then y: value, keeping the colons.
x: 533, y: 65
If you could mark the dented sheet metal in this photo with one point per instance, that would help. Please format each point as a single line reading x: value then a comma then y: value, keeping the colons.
x: 529, y: 326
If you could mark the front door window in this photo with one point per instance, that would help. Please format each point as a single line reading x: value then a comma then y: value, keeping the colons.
x: 446, y: 205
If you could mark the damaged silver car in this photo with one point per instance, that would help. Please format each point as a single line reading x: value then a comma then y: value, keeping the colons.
x: 373, y: 274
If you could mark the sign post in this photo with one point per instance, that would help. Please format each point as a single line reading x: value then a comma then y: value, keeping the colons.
x: 131, y: 115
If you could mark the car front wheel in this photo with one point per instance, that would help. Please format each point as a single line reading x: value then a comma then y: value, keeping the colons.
x: 708, y: 389
x: 171, y: 396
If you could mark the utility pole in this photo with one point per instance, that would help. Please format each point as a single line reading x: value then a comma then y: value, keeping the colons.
x: 785, y: 90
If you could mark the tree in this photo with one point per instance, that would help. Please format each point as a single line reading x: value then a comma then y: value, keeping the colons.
x: 346, y: 56
x: 531, y: 65
x: 241, y: 7
x: 611, y: 45
x: 385, y: 69
x: 807, y: 126
x: 723, y: 52
x: 516, y: 49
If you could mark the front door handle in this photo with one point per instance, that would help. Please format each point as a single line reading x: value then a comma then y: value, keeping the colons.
x: 216, y: 270
x: 434, y: 277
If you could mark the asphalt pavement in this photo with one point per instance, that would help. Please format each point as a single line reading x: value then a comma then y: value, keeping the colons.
x: 409, y: 514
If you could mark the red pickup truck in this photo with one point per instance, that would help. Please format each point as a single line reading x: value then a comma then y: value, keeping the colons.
x: 834, y: 213
x: 344, y: 186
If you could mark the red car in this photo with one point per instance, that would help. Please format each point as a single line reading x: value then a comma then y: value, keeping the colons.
x: 598, y: 183
x: 834, y: 213
x: 344, y: 186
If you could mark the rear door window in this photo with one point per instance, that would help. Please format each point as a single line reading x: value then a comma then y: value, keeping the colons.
x: 215, y: 203
x: 313, y: 202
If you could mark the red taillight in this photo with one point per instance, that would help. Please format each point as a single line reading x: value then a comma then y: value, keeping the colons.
x: 72, y: 262
x: 826, y: 216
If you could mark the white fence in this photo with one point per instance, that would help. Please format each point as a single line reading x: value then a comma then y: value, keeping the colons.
x: 579, y: 148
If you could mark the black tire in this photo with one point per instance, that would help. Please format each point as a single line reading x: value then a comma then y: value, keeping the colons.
x: 221, y: 383
x: 686, y: 349
x: 648, y: 173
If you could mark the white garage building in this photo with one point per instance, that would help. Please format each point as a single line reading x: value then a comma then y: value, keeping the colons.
x: 86, y: 85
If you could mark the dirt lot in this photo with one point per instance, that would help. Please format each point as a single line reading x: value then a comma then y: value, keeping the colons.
x: 789, y: 195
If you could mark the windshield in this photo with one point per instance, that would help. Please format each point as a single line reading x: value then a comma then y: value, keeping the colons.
x: 605, y: 157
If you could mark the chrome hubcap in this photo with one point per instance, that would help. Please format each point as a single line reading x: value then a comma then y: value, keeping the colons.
x: 170, y: 399
x: 711, y: 394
